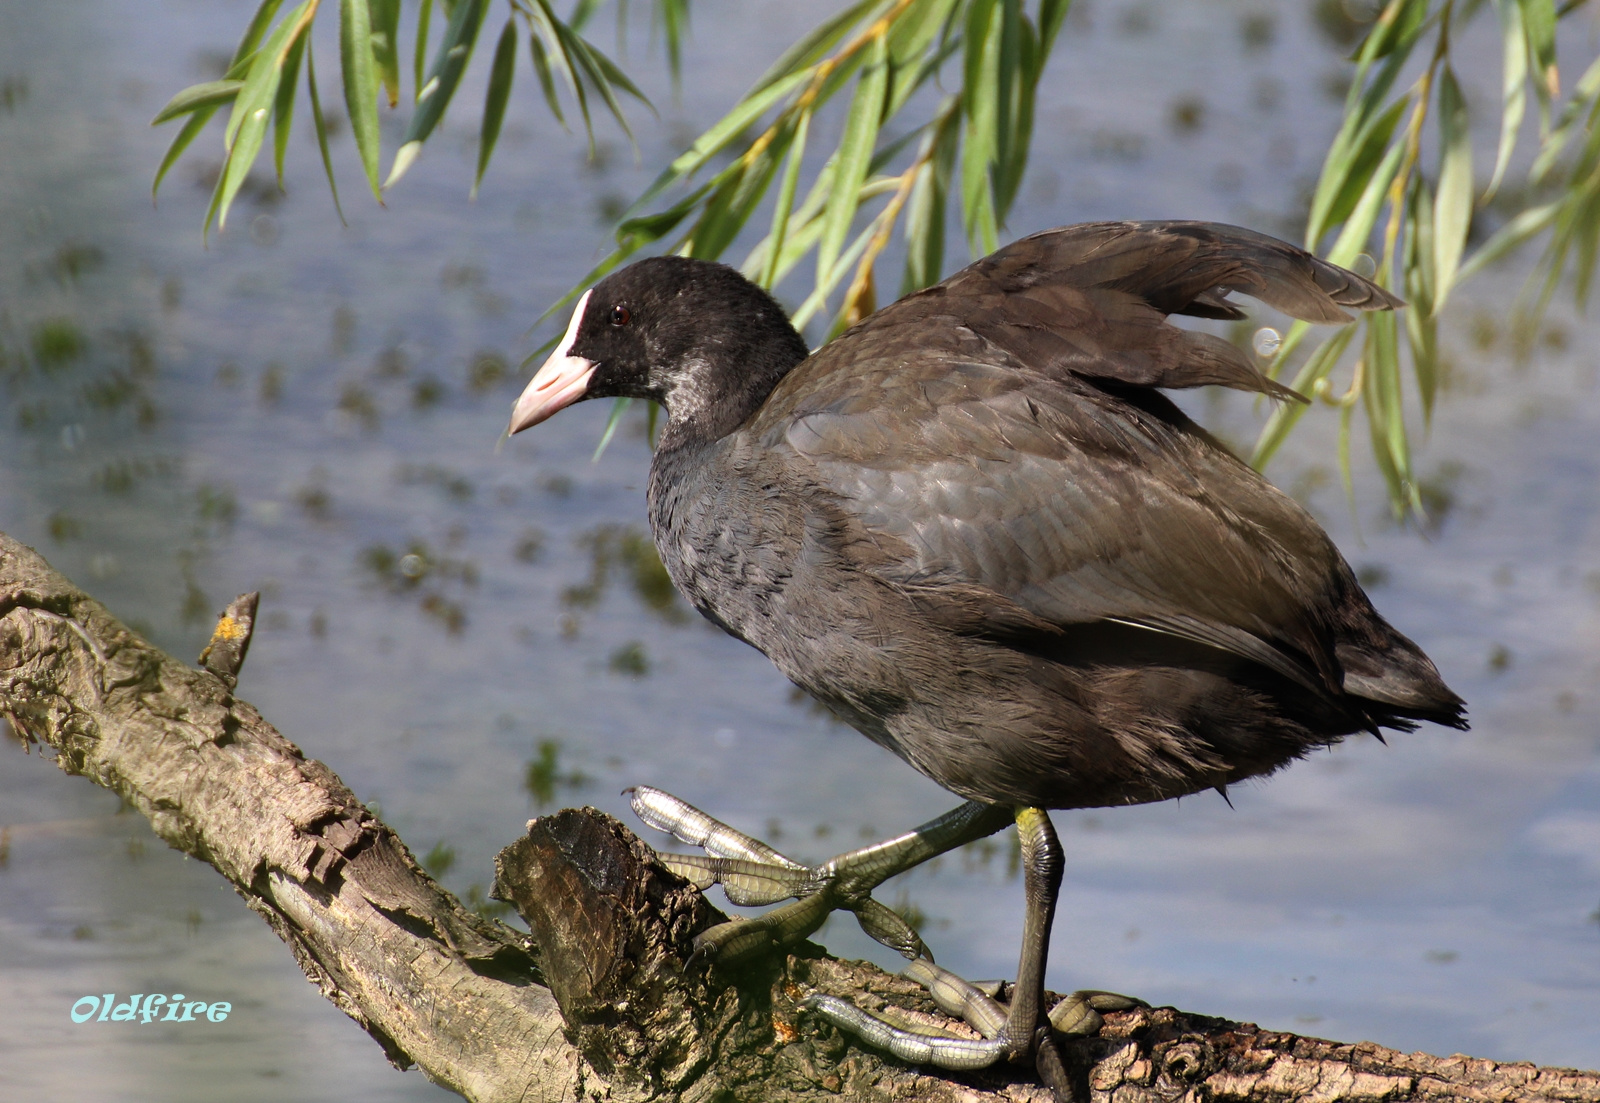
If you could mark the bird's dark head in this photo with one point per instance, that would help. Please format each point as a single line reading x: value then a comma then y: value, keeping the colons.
x: 695, y: 336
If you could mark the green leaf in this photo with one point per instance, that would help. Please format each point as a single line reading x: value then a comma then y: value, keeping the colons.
x: 1358, y: 228
x: 853, y: 155
x: 1513, y: 84
x: 259, y: 22
x: 1398, y: 27
x: 813, y: 46
x: 252, y: 110
x: 212, y: 94
x: 384, y: 16
x: 723, y: 131
x: 981, y: 93
x: 1453, y: 209
x: 1539, y: 21
x: 1386, y: 411
x: 321, y: 124
x: 448, y: 64
x: 1287, y: 415
x: 1345, y: 181
x: 186, y: 135
x: 1577, y: 117
x: 360, y: 85
x: 925, y: 210
x: 618, y: 408
x: 547, y: 84
x: 494, y: 104
x: 674, y: 17
x: 419, y: 52
x: 1514, y: 233
x: 785, y: 204
x: 1421, y: 320
x: 283, y: 105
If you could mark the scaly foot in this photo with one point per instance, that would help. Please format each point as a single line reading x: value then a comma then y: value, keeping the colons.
x: 753, y: 874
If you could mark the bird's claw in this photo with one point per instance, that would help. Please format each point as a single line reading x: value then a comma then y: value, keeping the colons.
x: 755, y: 874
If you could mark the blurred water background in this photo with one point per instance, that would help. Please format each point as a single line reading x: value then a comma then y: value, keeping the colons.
x: 469, y: 638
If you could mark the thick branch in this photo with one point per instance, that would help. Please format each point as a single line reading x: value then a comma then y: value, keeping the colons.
x: 597, y: 1003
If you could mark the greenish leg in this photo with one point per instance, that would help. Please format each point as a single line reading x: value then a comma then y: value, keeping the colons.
x: 753, y: 873
x: 1013, y: 1032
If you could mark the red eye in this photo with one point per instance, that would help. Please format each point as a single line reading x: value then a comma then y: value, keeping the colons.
x: 620, y: 316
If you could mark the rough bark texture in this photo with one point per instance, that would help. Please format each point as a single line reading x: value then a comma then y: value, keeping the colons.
x: 596, y: 1004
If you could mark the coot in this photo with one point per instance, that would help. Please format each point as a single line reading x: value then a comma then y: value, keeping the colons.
x: 974, y: 528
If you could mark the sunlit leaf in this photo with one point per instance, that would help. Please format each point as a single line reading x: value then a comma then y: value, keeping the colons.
x: 252, y: 109
x: 981, y: 91
x: 1539, y: 23
x: 419, y: 51
x: 925, y: 211
x: 1525, y: 225
x: 1514, y: 80
x: 812, y: 47
x: 259, y: 22
x: 853, y: 156
x: 185, y: 136
x: 1345, y: 181
x: 283, y: 104
x: 547, y: 83
x: 360, y: 84
x: 784, y: 207
x: 1386, y: 411
x: 494, y: 104
x: 1453, y: 205
x: 212, y: 94
x: 1286, y: 415
x: 384, y: 16
x: 434, y: 96
x: 321, y: 124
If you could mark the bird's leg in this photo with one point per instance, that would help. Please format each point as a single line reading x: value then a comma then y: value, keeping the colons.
x: 1013, y: 1032
x: 753, y: 873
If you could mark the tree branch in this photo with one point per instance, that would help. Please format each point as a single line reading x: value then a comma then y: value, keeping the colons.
x: 596, y: 1003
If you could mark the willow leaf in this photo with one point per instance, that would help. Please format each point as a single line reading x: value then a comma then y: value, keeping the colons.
x: 181, y: 142
x: 419, y: 51
x: 283, y: 105
x: 1453, y: 208
x: 1288, y: 414
x: 434, y: 97
x: 547, y: 83
x: 321, y: 124
x: 384, y: 16
x: 360, y: 84
x: 813, y: 46
x: 212, y: 94
x: 494, y: 103
x: 1525, y: 225
x: 784, y: 207
x: 925, y: 210
x: 259, y: 22
x: 981, y: 91
x: 722, y: 132
x: 1421, y: 287
x: 853, y: 156
x: 252, y: 110
x: 1345, y: 181
x: 1386, y: 411
x: 1513, y: 86
x: 1539, y: 22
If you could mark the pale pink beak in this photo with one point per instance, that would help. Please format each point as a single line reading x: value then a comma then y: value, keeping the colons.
x: 561, y: 381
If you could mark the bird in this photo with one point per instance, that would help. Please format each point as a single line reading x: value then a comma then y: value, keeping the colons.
x: 974, y: 527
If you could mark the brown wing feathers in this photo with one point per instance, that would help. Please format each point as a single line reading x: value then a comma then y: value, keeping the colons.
x: 1093, y: 300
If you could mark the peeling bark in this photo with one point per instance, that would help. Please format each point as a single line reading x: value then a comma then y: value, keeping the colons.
x: 596, y: 1004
